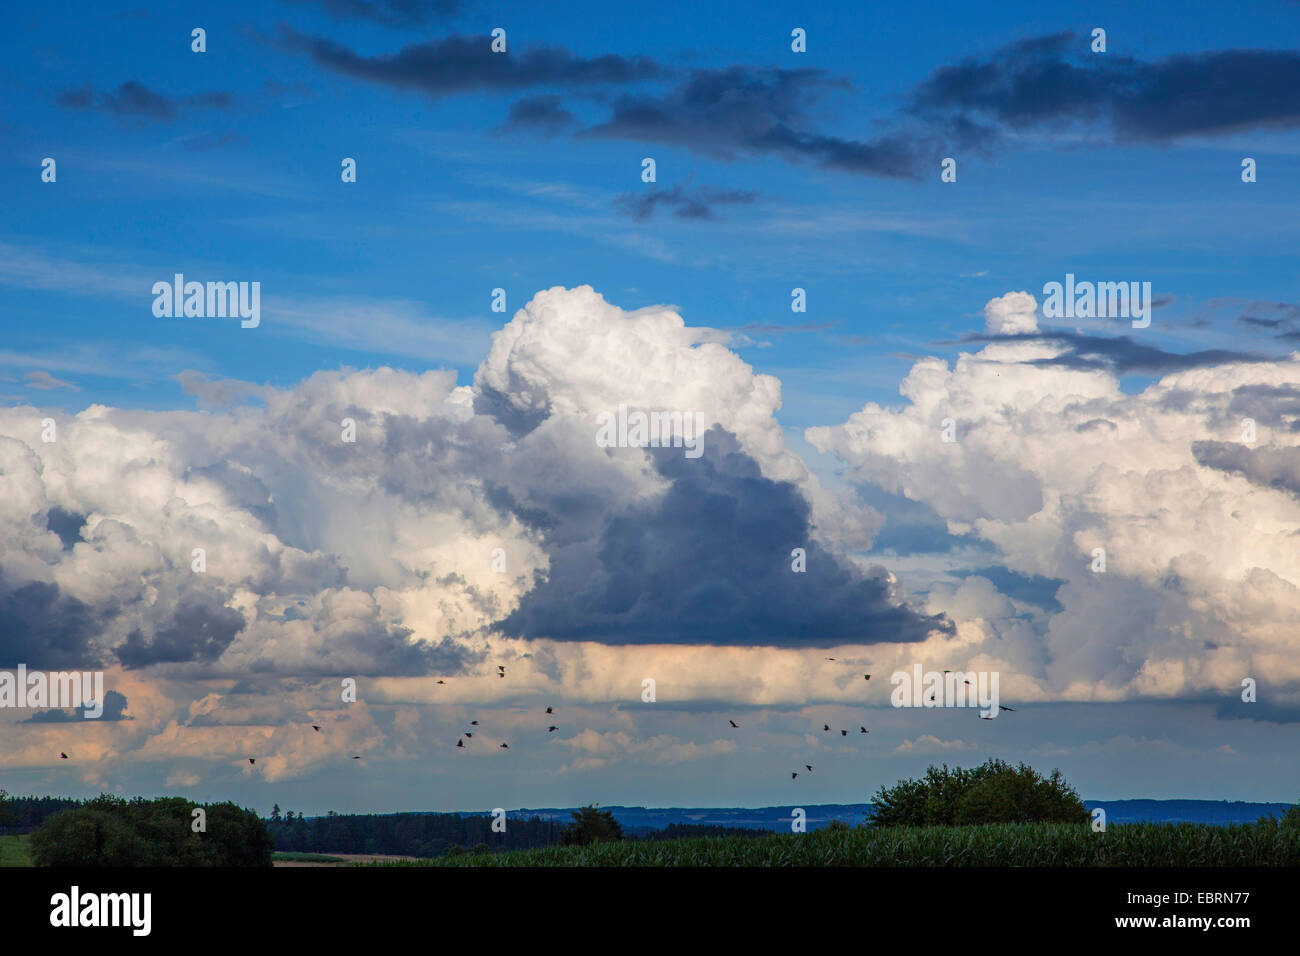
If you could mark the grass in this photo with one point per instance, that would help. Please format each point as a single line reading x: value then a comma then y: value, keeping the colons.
x: 15, y: 850
x: 1033, y: 844
x: 305, y: 858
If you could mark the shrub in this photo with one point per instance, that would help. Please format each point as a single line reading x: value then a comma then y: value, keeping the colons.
x: 110, y: 831
x: 591, y: 826
x: 994, y: 792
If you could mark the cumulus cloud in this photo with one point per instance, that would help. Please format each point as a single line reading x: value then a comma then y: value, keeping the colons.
x: 1011, y: 314
x: 251, y: 540
x: 1053, y: 461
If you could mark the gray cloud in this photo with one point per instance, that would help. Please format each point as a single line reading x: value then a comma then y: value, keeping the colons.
x: 462, y: 64
x: 685, y: 203
x: 136, y: 99
x: 711, y: 563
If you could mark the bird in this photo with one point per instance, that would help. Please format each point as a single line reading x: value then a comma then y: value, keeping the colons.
x: 866, y: 677
x: 1012, y: 709
x: 947, y: 672
x: 550, y: 729
x: 468, y: 734
x: 355, y: 757
x: 966, y: 682
x: 809, y: 766
x: 505, y: 746
x: 502, y: 674
x: 549, y: 710
x: 830, y: 658
x: 863, y: 729
x: 252, y: 760
x: 844, y: 733
x: 63, y: 755
x: 826, y: 726
x: 932, y: 696
x: 315, y: 728
x: 441, y: 682
x: 793, y: 775
x: 473, y: 723
x: 460, y: 743
x: 734, y: 724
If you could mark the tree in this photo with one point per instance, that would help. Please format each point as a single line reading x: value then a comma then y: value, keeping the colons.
x: 275, y: 813
x: 591, y: 826
x: 994, y: 792
x: 110, y: 831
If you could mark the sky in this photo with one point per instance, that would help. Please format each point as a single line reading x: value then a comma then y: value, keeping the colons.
x: 865, y: 342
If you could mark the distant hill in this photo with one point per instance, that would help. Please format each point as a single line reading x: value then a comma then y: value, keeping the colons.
x: 777, y: 819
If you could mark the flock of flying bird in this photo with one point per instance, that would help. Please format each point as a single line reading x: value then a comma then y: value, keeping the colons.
x: 501, y: 672
x: 826, y: 728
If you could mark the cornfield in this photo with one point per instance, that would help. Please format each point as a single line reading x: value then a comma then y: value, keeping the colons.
x: 1017, y: 844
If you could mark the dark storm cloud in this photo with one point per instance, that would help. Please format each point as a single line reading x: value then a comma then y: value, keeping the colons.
x: 1119, y: 354
x: 1269, y: 467
x: 114, y: 709
x: 66, y: 524
x: 1056, y: 81
x: 711, y: 563
x: 747, y: 110
x: 200, y: 629
x: 391, y: 13
x: 463, y: 64
x: 43, y: 629
x: 538, y: 114
x: 136, y: 99
x: 685, y: 203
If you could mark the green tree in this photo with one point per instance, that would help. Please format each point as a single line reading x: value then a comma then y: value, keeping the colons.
x: 994, y: 792
x: 591, y: 826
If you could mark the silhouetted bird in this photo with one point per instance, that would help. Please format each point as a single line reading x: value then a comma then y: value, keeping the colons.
x: 793, y: 775
x: 63, y: 755
x: 863, y: 729
x: 866, y: 677
x: 1012, y: 709
x: 473, y: 723
x: 844, y: 733
x: 734, y: 724
x: 505, y: 746
x: 442, y: 682
x: 809, y: 766
x: 548, y: 710
x: 468, y: 734
x: 460, y: 743
x: 830, y: 658
x: 252, y: 760
x: 826, y: 726
x: 550, y: 729
x: 315, y: 728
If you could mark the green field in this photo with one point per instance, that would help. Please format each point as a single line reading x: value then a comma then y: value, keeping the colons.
x: 1019, y: 844
x: 305, y: 858
x: 14, y: 851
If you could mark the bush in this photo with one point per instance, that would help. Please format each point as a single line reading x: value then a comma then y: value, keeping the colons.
x: 994, y: 792
x: 110, y: 831
x: 591, y: 826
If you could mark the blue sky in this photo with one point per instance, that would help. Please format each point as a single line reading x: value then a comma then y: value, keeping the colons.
x: 775, y: 170
x: 446, y: 207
